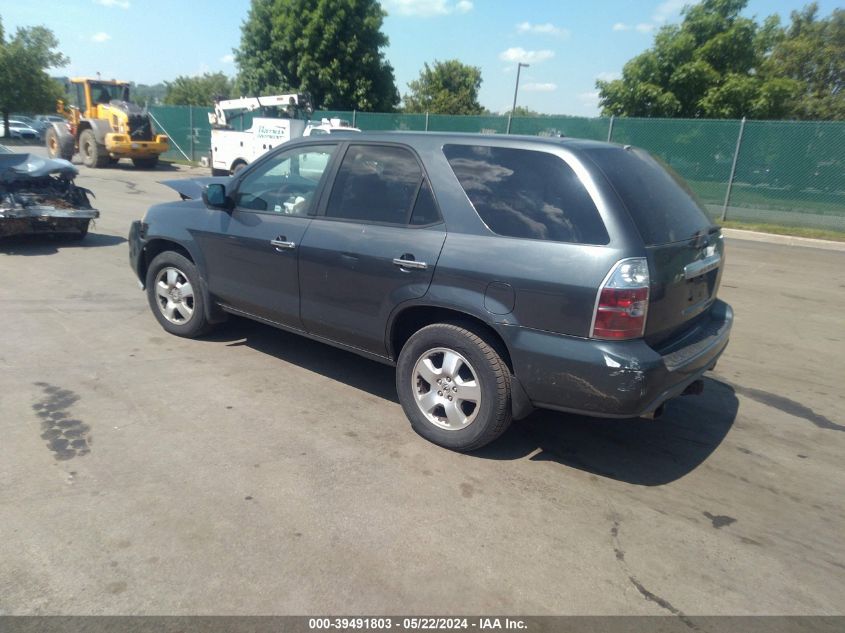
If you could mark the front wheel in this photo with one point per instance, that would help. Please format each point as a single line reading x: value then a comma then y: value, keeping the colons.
x: 175, y: 296
x: 93, y: 154
x: 454, y: 387
x: 55, y: 149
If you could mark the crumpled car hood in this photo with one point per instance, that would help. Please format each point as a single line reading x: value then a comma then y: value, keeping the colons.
x: 14, y: 167
x: 192, y: 188
x: 38, y: 195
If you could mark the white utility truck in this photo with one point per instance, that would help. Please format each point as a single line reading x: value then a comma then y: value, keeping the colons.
x: 283, y: 117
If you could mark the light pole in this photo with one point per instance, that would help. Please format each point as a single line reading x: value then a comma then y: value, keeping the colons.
x: 519, y: 67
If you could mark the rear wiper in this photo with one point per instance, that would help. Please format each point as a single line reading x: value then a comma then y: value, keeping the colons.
x: 701, y: 238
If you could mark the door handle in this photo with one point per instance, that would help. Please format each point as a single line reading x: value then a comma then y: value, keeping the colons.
x: 409, y: 263
x: 282, y: 245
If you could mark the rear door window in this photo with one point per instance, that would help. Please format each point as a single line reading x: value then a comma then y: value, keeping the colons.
x: 375, y: 184
x: 661, y: 204
x: 527, y: 194
x: 425, y: 210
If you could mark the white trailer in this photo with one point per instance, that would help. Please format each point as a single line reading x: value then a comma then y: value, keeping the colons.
x: 232, y: 150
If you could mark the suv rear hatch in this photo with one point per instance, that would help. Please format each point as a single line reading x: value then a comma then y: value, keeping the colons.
x: 685, y: 250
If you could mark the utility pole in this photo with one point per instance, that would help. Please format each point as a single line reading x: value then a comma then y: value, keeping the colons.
x: 519, y: 67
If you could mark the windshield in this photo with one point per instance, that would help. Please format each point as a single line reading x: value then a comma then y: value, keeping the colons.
x: 661, y: 204
x: 103, y: 93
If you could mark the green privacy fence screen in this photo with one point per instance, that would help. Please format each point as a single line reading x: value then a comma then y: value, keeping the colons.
x: 787, y: 172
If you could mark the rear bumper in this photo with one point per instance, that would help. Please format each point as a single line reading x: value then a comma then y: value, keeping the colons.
x: 122, y: 145
x: 44, y: 220
x: 614, y: 379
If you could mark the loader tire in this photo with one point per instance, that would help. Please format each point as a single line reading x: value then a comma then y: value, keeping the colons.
x: 54, y: 146
x: 93, y: 154
x: 146, y: 163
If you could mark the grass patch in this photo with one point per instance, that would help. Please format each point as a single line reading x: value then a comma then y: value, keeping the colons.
x: 781, y: 229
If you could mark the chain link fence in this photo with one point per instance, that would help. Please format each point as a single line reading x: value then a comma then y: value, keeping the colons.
x: 783, y: 172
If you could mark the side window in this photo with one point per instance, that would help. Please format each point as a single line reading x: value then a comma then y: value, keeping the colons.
x: 286, y: 183
x: 375, y: 184
x: 527, y: 194
x: 425, y: 210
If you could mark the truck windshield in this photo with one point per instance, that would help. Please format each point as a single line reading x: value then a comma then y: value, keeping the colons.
x: 103, y: 93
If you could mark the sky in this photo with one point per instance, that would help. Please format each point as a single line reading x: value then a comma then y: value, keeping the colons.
x: 568, y: 44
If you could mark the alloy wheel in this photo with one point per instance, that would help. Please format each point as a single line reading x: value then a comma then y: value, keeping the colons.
x: 174, y: 295
x: 446, y: 389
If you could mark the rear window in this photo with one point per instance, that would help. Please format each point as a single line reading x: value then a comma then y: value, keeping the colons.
x: 661, y: 204
x: 527, y: 194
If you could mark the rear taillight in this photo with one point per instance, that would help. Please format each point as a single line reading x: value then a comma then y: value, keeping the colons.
x: 622, y: 302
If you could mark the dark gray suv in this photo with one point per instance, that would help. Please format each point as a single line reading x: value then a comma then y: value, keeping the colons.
x: 497, y: 273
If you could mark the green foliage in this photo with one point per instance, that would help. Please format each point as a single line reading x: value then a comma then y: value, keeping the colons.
x: 448, y: 87
x: 718, y: 64
x: 200, y: 90
x: 812, y: 53
x: 331, y: 49
x: 150, y: 94
x: 522, y: 111
x: 24, y: 84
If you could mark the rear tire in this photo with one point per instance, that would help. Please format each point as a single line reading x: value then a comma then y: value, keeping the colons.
x: 237, y: 168
x: 454, y: 387
x: 145, y: 163
x: 175, y: 295
x: 93, y: 154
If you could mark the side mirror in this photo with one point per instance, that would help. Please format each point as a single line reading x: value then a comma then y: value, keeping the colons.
x: 215, y: 197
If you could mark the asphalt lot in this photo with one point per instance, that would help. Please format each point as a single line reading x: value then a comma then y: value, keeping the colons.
x: 256, y: 472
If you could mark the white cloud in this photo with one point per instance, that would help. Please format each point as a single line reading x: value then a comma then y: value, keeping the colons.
x: 519, y: 54
x: 589, y: 98
x: 668, y: 9
x: 607, y: 76
x: 542, y: 29
x: 428, y: 8
x: 100, y: 37
x: 123, y: 4
x: 227, y: 59
x: 664, y: 11
x: 538, y: 87
x: 642, y: 27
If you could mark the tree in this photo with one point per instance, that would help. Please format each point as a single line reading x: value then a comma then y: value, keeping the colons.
x: 448, y: 87
x: 812, y: 52
x: 200, y: 90
x: 25, y: 85
x: 151, y: 94
x: 331, y: 49
x: 719, y: 64
x: 522, y: 111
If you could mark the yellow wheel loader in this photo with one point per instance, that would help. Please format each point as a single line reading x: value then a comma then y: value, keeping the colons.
x: 103, y: 126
